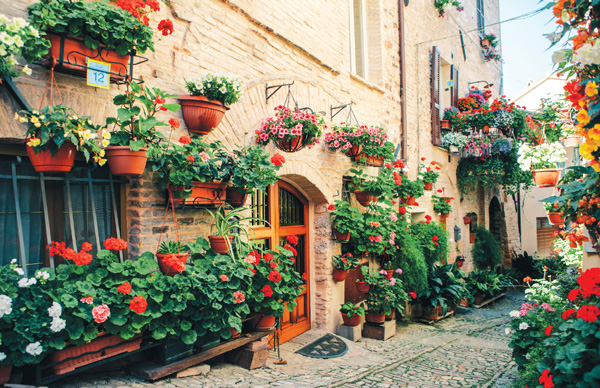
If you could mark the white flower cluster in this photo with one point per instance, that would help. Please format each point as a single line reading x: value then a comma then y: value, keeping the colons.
x: 524, y: 326
x: 58, y: 323
x: 569, y: 256
x: 5, y: 305
x: 588, y: 54
x: 43, y: 275
x: 2, y: 356
x: 24, y: 282
x: 13, y: 34
x: 219, y: 87
x: 514, y: 314
x: 34, y: 348
x: 545, y: 155
x: 455, y: 139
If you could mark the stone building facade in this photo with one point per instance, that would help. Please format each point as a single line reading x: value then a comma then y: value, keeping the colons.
x: 336, y: 52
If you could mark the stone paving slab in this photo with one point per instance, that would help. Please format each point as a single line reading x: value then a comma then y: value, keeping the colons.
x: 467, y: 350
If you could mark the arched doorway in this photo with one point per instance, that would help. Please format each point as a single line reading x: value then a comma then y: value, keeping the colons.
x: 286, y: 211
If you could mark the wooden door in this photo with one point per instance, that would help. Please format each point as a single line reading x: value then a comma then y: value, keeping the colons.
x: 286, y: 211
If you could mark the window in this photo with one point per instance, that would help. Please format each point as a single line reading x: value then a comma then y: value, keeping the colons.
x: 83, y: 205
x: 365, y: 39
x: 436, y: 133
x: 480, y: 18
x: 358, y: 38
x: 544, y: 236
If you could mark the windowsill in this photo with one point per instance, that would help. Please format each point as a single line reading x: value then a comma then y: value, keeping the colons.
x: 416, y: 210
x: 368, y: 84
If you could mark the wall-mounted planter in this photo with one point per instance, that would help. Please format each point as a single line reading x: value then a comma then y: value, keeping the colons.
x: 364, y: 198
x: 200, y: 114
x: 369, y: 160
x: 203, y: 194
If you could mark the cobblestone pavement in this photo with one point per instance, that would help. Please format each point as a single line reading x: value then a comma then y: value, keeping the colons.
x: 468, y: 350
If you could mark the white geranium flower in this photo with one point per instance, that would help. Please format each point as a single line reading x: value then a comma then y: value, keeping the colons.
x: 58, y: 324
x: 34, y: 348
x: 523, y: 326
x: 31, y: 281
x: 13, y: 261
x: 514, y: 314
x: 2, y: 356
x: 507, y: 331
x: 34, y: 32
x: 19, y: 22
x: 42, y: 274
x: 20, y: 271
x: 55, y: 310
x: 24, y: 282
x: 5, y: 305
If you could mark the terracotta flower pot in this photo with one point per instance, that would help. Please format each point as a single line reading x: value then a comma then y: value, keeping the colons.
x: 391, y: 316
x: 428, y: 186
x: 5, y: 371
x: 369, y: 160
x: 342, y: 236
x: 459, y: 263
x: 219, y: 243
x: 362, y: 287
x: 485, y: 43
x: 339, y: 275
x: 203, y: 193
x: 364, y: 198
x: 75, y: 54
x: 94, y: 352
x: 262, y: 322
x: 408, y: 200
x: 234, y: 333
x: 200, y: 114
x: 234, y: 197
x: 556, y: 218
x: 125, y: 162
x: 464, y: 302
x: 389, y: 273
x: 472, y: 238
x: 165, y: 268
x: 62, y: 161
x: 571, y: 141
x: 290, y: 145
x: 432, y: 313
x: 467, y: 220
x: 375, y: 318
x: 352, y: 321
x: 547, y: 177
x: 354, y: 151
x: 445, y: 124
x: 443, y: 216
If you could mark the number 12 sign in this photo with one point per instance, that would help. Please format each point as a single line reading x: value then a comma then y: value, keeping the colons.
x: 98, y: 74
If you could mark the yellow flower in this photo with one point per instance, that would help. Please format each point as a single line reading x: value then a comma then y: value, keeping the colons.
x: 594, y: 133
x: 37, y: 125
x: 586, y: 150
x: 591, y: 89
x: 106, y: 134
x: 583, y: 117
x: 102, y: 153
x: 81, y: 141
x: 102, y: 162
x: 596, y: 167
x: 87, y: 135
x: 23, y: 119
x: 17, y: 117
x: 42, y: 117
x: 34, y: 141
x: 35, y: 112
x: 34, y: 119
x: 105, y: 143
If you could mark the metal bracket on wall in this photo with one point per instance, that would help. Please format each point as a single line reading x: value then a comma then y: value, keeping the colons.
x: 340, y: 108
x: 277, y: 87
x: 16, y: 93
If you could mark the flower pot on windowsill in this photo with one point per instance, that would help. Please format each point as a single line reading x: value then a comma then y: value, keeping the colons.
x: 556, y: 218
x: 353, y: 321
x: 546, y: 177
x: 62, y: 161
x: 102, y: 347
x: 125, y: 162
x: 369, y: 160
x: 200, y: 114
x: 364, y: 198
x: 219, y: 244
x: 408, y: 200
x: 375, y: 317
x: 234, y: 333
x: 428, y: 186
x: 571, y: 141
x: 5, y: 371
x: 339, y: 275
x: 467, y: 220
x: 362, y: 287
x: 167, y: 269
x: 354, y: 151
x: 203, y: 193
x: 445, y: 124
x: 234, y: 197
x: 290, y: 145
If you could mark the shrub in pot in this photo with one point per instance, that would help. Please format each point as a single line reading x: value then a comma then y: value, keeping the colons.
x: 341, y: 265
x: 368, y: 188
x: 409, y: 190
x: 351, y: 313
x: 441, y: 205
x: 345, y: 219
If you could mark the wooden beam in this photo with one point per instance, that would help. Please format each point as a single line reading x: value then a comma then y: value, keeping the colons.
x: 151, y: 371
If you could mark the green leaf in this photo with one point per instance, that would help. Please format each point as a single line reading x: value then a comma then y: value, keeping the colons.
x: 68, y: 301
x: 189, y: 337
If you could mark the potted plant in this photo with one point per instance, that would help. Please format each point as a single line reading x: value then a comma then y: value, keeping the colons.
x: 454, y: 141
x: 341, y: 265
x: 555, y: 213
x: 351, y: 313
x: 24, y: 40
x: 569, y: 136
x: 344, y: 219
x: 368, y: 188
x: 209, y: 99
x: 104, y: 31
x: 370, y: 277
x: 379, y: 296
x: 542, y: 161
x: 460, y: 260
x: 227, y: 225
x: 135, y: 135
x: 193, y: 169
x: 54, y: 135
x: 172, y: 257
x: 252, y: 169
x: 347, y: 138
x: 291, y: 130
x: 468, y: 218
x: 376, y: 149
x: 448, y: 117
x: 409, y: 190
x: 428, y: 173
x: 441, y: 205
x: 483, y: 284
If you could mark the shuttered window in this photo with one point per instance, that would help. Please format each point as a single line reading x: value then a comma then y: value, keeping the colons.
x: 480, y: 18
x: 455, y: 87
x: 436, y: 135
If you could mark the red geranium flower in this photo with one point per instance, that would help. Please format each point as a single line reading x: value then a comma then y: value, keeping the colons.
x: 166, y: 27
x: 567, y: 313
x: 115, y: 244
x: 273, y: 265
x: 331, y: 208
x: 292, y: 239
x: 174, y: 123
x: 413, y: 295
x: 588, y: 313
x: 224, y: 278
x: 159, y: 100
x: 402, y: 210
x: 268, y: 257
x: 101, y: 313
x: 267, y: 291
x: 125, y: 288
x: 191, y: 158
x: 277, y: 160
x: 185, y: 139
x: 548, y: 330
x: 239, y: 297
x: 274, y: 276
x: 86, y: 246
x: 435, y: 238
x: 82, y: 258
x: 138, y: 304
x: 546, y: 379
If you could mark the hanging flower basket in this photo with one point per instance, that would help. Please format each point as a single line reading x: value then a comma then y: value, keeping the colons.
x: 339, y: 275
x: 353, y: 321
x: 547, y: 177
x: 290, y: 145
x: 362, y: 287
x: 571, y: 141
x: 389, y: 273
x: 408, y: 200
x: 219, y: 243
x: 62, y: 161
x: 428, y: 186
x: 203, y: 193
x: 234, y: 197
x: 556, y: 218
x: 485, y: 43
x: 125, y: 162
x: 163, y: 263
x: 201, y: 116
x: 375, y: 318
x: 102, y: 347
x: 369, y: 160
x: 354, y: 151
x: 467, y: 220
x: 364, y: 198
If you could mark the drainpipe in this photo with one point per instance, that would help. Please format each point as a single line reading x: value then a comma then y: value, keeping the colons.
x: 403, y: 118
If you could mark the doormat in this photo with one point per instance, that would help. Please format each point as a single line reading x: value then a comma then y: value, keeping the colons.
x: 328, y: 346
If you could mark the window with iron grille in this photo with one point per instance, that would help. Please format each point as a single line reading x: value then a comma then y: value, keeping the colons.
x: 83, y: 205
